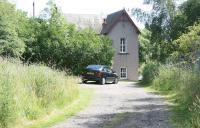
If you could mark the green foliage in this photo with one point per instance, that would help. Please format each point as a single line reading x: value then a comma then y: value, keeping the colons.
x: 61, y: 45
x: 175, y: 36
x: 7, y: 103
x: 187, y: 14
x: 157, y: 23
x: 188, y: 44
x: 50, y: 40
x: 167, y: 22
x: 29, y: 92
x: 11, y: 44
x: 177, y: 26
x: 195, y: 109
x: 168, y: 79
x: 191, y: 9
x: 183, y: 82
x: 144, y: 46
x: 149, y: 72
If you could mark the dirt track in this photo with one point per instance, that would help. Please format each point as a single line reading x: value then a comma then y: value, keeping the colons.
x: 121, y: 106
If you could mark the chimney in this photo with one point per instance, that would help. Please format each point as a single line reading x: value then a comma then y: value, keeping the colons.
x: 33, y: 9
x: 104, y: 23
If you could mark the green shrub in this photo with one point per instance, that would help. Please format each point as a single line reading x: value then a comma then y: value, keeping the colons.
x: 29, y: 92
x: 149, y: 71
x: 168, y: 78
x: 184, y: 82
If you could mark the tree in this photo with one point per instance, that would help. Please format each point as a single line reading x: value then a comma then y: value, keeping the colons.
x: 188, y: 44
x: 62, y: 46
x: 157, y: 22
x: 144, y: 46
x: 187, y: 14
x: 167, y: 22
x: 10, y: 43
x: 191, y: 10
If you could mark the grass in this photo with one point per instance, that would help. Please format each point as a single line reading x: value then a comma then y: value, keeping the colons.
x: 61, y: 115
x: 37, y: 96
x: 181, y: 86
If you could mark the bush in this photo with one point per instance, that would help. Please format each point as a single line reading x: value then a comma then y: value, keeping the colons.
x: 184, y: 82
x: 28, y: 92
x: 64, y: 46
x: 168, y: 78
x: 149, y: 71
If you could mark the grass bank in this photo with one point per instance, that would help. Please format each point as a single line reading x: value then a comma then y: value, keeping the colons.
x: 36, y: 96
x: 59, y: 115
x: 182, y: 86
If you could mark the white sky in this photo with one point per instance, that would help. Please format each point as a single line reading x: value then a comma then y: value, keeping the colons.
x: 83, y: 6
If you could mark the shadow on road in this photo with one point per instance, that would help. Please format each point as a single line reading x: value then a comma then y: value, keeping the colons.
x: 138, y: 116
x: 126, y: 105
x: 142, y: 119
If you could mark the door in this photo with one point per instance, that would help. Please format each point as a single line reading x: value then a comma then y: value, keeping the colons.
x: 109, y: 74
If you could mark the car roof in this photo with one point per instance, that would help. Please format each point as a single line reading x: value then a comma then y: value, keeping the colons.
x: 96, y: 66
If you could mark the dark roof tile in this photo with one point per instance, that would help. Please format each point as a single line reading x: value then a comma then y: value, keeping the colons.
x: 112, y: 19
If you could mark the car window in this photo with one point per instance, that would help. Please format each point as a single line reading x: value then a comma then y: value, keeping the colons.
x: 107, y: 69
x: 94, y: 67
x: 104, y: 70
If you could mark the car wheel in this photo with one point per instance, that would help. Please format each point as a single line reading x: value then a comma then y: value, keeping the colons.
x: 103, y: 81
x: 115, y: 81
x: 84, y: 81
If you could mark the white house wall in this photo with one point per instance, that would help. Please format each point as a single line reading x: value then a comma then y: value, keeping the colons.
x: 124, y: 29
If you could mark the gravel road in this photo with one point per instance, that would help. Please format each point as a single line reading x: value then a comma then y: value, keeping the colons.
x: 124, y: 105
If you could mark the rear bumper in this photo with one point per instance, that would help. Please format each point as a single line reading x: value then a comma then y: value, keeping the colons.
x: 90, y: 78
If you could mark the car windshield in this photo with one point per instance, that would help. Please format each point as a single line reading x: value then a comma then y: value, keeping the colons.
x: 94, y: 67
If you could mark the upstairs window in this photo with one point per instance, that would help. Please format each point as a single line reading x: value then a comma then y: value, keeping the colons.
x: 123, y: 48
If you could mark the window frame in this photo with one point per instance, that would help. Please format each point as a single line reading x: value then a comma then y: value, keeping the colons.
x: 126, y: 72
x: 123, y: 45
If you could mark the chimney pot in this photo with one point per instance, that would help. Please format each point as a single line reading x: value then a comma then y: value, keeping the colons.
x: 104, y: 21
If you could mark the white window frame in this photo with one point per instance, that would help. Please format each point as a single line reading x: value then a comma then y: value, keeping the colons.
x: 123, y: 46
x: 123, y: 72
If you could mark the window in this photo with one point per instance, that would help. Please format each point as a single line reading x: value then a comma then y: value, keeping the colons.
x: 123, y: 73
x: 123, y: 45
x: 107, y: 69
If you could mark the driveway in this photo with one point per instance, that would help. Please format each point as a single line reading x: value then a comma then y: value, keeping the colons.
x: 124, y: 105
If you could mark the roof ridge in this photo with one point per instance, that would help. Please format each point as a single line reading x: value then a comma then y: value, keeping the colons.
x: 113, y: 18
x: 116, y: 12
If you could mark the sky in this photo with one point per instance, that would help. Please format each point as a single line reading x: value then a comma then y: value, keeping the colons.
x: 103, y: 7
x: 82, y: 6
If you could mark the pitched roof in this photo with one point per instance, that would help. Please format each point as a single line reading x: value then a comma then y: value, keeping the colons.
x: 113, y: 18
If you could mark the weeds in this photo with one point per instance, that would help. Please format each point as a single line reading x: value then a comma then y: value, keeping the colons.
x: 28, y: 92
x: 149, y: 71
x: 184, y: 83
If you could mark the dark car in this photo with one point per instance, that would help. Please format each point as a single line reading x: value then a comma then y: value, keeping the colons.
x: 99, y: 73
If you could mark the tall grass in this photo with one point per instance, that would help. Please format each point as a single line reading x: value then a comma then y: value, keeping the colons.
x: 29, y: 92
x: 184, y: 82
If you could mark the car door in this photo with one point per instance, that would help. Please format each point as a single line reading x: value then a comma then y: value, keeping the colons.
x: 110, y: 76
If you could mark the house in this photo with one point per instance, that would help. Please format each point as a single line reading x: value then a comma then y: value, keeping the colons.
x: 120, y: 28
